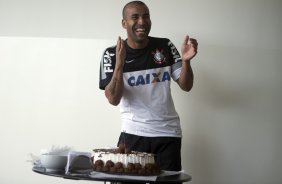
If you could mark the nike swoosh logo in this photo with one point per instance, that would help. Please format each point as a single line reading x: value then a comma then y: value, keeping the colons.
x: 126, y: 61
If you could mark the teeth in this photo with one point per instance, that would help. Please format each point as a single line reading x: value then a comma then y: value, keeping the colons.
x: 140, y: 30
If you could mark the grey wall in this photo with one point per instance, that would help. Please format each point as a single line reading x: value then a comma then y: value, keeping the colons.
x: 49, y: 66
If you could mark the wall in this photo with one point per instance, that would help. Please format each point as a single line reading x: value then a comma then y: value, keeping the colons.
x: 49, y: 66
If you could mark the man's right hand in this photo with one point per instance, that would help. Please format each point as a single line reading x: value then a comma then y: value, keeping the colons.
x: 114, y: 89
x: 120, y: 53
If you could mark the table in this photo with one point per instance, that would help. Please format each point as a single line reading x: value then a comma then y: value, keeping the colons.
x: 182, y: 177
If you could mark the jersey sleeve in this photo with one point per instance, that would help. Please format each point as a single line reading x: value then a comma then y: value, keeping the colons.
x: 107, y: 65
x: 176, y: 61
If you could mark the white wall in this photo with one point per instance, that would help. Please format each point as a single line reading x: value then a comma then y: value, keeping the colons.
x: 49, y: 71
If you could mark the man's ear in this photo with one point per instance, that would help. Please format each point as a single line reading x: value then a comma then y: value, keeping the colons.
x: 123, y: 23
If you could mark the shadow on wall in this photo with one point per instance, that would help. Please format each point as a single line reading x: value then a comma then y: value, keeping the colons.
x: 219, y: 93
x: 201, y: 121
x: 230, y: 113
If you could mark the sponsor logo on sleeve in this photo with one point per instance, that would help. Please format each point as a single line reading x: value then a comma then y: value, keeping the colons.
x: 107, y: 62
x: 174, y: 52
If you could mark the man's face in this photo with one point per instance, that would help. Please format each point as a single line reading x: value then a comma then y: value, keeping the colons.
x: 137, y: 23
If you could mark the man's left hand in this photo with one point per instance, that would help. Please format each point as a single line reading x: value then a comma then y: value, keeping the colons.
x: 189, y: 48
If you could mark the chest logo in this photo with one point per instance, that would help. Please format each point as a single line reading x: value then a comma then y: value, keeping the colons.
x: 159, y: 56
x: 129, y: 61
x: 150, y: 78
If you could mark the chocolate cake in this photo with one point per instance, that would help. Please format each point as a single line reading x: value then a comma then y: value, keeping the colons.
x: 123, y: 161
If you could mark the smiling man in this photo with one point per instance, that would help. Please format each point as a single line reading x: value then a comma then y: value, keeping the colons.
x: 136, y: 74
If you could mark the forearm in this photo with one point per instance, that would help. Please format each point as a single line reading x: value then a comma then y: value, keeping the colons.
x: 114, y: 89
x: 186, y: 78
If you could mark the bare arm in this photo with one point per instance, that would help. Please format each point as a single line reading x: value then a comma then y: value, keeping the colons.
x: 114, y: 89
x: 189, y: 50
x: 186, y: 78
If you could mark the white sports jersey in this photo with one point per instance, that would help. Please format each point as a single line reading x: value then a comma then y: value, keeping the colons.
x: 147, y: 108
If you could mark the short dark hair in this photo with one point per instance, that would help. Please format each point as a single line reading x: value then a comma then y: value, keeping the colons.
x: 132, y: 3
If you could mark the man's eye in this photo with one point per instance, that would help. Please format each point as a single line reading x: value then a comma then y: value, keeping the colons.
x: 147, y: 16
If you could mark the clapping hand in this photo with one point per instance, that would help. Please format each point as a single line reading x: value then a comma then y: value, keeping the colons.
x: 189, y: 48
x: 120, y: 52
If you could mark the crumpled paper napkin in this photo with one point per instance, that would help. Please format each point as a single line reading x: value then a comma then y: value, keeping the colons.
x: 54, y: 150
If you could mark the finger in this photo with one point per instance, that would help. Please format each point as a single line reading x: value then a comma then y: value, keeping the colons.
x: 195, y: 47
x: 118, y: 43
x: 121, y: 43
x: 186, y: 40
x: 193, y: 41
x: 189, y: 42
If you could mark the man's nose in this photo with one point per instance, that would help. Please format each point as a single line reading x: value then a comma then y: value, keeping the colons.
x: 141, y: 20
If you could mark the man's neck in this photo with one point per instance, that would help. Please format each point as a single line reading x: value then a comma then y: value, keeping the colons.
x: 137, y: 45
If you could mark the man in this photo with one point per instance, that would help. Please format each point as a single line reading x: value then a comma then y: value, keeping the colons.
x: 136, y: 74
